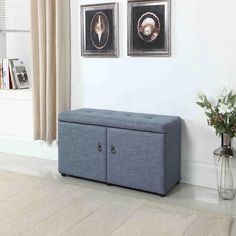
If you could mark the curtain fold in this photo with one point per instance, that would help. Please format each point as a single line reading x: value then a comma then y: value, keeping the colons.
x: 63, y: 55
x: 50, y: 64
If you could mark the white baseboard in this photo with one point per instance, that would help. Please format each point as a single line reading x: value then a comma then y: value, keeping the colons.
x: 28, y: 147
x: 196, y: 173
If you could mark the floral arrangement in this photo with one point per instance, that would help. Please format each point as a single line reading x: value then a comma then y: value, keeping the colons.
x: 221, y: 113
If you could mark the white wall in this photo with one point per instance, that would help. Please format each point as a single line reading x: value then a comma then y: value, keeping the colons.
x: 16, y: 113
x: 2, y: 45
x: 203, y: 58
x: 16, y: 126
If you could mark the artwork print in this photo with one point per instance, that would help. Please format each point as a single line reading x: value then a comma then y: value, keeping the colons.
x: 99, y: 30
x: 149, y: 29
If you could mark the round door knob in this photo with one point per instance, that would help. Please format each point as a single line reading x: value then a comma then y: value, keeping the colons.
x: 113, y: 150
x: 99, y: 147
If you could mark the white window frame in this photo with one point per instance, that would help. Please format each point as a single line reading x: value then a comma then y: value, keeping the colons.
x: 15, y: 15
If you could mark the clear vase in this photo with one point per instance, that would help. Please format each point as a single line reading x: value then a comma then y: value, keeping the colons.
x: 223, y: 164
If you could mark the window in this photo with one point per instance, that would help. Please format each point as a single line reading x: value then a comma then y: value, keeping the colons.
x: 14, y: 15
x: 2, y: 15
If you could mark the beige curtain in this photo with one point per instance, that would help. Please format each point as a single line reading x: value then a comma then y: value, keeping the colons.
x: 50, y: 64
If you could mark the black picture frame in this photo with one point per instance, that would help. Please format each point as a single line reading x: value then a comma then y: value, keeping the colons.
x: 99, y: 24
x: 149, y: 29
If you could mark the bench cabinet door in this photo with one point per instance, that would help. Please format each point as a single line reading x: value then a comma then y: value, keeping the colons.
x: 82, y: 151
x: 135, y: 159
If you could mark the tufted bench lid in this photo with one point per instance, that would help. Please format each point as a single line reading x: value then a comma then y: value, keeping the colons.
x: 118, y: 119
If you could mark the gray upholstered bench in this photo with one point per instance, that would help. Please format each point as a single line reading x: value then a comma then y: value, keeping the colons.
x: 140, y: 151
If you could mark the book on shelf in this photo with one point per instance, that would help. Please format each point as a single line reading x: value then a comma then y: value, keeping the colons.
x: 13, y: 74
x: 5, y: 74
x: 1, y: 80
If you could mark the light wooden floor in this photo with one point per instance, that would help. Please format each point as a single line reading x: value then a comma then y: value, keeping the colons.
x: 49, y: 205
x: 34, y: 206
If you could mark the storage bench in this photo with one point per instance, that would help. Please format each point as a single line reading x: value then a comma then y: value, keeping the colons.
x: 140, y: 151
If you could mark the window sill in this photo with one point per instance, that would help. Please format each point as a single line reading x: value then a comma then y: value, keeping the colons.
x: 21, y: 94
x: 14, y: 31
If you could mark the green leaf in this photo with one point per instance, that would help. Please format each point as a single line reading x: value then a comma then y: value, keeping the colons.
x: 208, y: 114
x: 232, y: 100
x: 201, y: 104
x: 205, y: 99
x: 221, y: 129
x: 230, y: 93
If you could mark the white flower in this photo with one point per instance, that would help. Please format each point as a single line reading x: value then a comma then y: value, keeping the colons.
x: 207, y: 110
x: 213, y: 102
x: 224, y: 109
x: 223, y: 94
x: 200, y: 96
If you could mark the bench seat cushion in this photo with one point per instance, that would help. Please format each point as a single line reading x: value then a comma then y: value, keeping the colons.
x: 118, y: 119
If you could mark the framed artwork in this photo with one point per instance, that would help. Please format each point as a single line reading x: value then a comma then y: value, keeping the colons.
x: 149, y: 28
x: 99, y: 24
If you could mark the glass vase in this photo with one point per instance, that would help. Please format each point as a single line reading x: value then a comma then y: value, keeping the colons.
x: 223, y: 164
